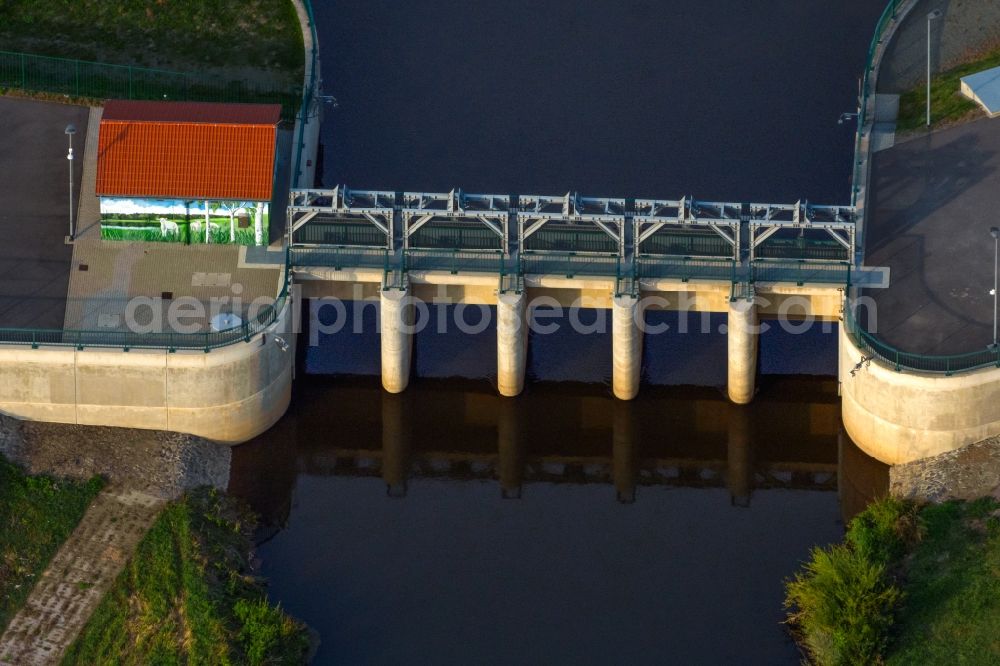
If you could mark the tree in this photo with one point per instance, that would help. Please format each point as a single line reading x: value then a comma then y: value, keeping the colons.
x: 258, y: 225
x: 231, y: 207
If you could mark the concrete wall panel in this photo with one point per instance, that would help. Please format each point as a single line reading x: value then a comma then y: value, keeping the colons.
x: 230, y: 395
x: 898, y: 417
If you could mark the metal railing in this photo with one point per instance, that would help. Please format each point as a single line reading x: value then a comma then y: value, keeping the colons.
x: 887, y: 18
x: 82, y: 78
x: 569, y: 264
x: 308, y: 92
x: 454, y: 260
x: 686, y: 268
x: 801, y: 271
x: 899, y: 360
x: 340, y: 257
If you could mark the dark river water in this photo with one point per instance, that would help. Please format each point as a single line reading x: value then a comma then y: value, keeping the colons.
x: 450, y: 526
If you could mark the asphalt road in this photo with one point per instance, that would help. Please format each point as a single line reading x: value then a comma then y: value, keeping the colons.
x: 34, y: 215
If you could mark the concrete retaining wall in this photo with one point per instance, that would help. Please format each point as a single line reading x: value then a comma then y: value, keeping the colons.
x: 229, y: 395
x: 899, y: 417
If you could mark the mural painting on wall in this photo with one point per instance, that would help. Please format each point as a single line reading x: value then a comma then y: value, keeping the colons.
x: 177, y: 221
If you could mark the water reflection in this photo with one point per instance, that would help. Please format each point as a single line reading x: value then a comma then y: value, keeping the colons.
x: 790, y: 438
x: 664, y: 525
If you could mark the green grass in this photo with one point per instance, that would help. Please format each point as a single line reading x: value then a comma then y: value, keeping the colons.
x: 186, y: 597
x: 947, y: 103
x: 37, y: 513
x: 166, y: 34
x: 952, y: 611
x: 908, y: 586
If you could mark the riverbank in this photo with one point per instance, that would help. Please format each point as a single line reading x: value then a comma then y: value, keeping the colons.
x: 910, y: 585
x: 967, y: 473
x: 37, y: 513
x: 189, y: 596
x: 255, y: 40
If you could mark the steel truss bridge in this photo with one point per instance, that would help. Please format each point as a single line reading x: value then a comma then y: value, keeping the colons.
x: 630, y: 240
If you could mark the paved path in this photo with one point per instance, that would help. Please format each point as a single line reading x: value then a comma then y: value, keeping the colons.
x: 34, y: 209
x: 932, y: 201
x: 80, y: 574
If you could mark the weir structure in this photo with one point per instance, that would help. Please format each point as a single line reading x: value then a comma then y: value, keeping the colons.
x: 748, y: 260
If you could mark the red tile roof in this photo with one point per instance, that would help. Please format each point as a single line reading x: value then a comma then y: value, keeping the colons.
x: 187, y: 150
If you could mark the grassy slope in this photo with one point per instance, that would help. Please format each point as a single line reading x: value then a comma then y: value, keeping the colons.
x: 947, y: 103
x: 185, y: 597
x: 36, y: 516
x: 167, y: 34
x: 951, y: 613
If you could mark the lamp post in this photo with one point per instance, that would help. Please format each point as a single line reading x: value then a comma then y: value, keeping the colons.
x: 930, y: 17
x: 70, y: 131
x: 995, y: 232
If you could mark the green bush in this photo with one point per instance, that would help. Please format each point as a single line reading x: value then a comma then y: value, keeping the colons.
x: 882, y: 531
x: 267, y: 633
x: 842, y: 606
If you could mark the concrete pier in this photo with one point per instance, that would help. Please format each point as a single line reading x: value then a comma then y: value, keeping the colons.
x: 742, y: 334
x: 512, y: 343
x: 626, y: 345
x: 396, y: 327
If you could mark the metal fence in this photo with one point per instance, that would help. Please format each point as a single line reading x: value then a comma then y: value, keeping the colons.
x: 81, y: 78
x: 948, y: 364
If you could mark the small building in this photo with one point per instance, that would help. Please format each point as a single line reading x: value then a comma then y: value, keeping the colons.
x: 983, y: 88
x: 167, y: 171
